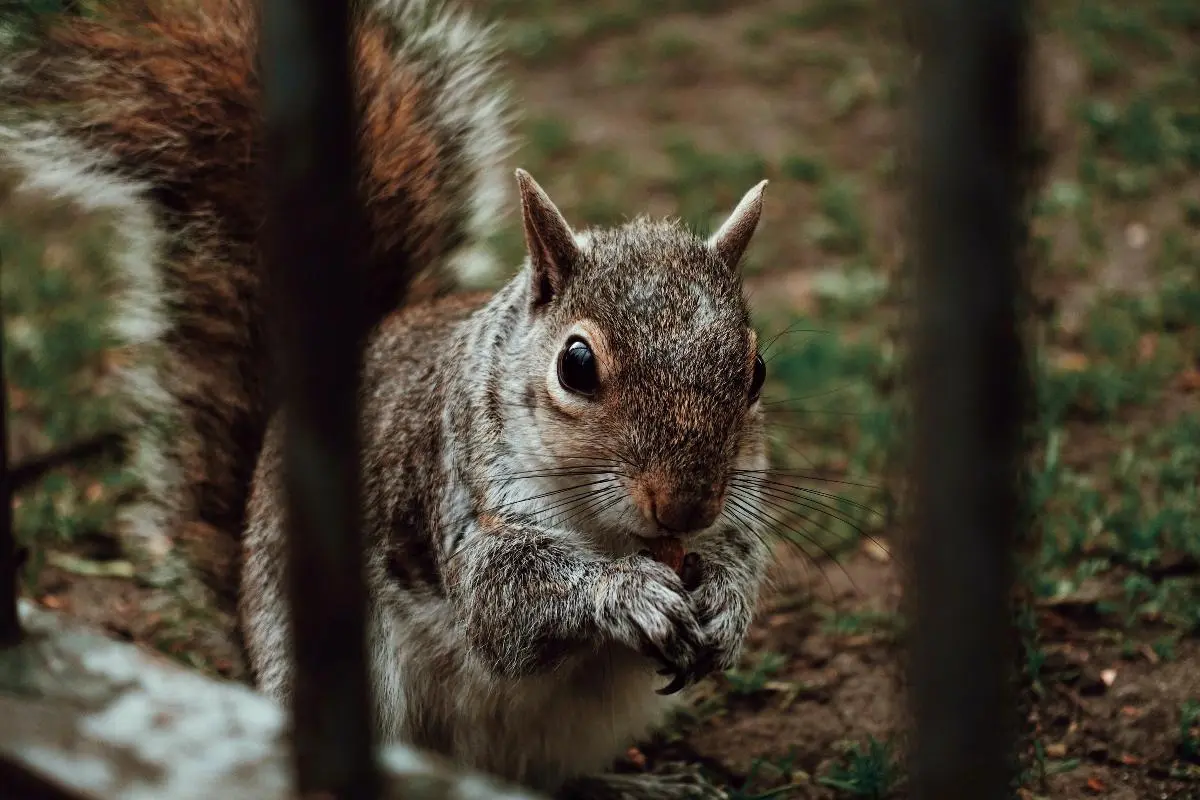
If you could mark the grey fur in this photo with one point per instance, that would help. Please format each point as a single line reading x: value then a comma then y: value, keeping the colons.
x: 510, y: 630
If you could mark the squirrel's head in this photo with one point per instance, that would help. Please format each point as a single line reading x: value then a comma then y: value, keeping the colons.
x: 643, y: 371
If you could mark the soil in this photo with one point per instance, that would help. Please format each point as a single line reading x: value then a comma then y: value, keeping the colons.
x: 1109, y: 705
x: 1113, y: 711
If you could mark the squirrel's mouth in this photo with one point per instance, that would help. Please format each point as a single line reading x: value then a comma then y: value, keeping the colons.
x: 668, y: 550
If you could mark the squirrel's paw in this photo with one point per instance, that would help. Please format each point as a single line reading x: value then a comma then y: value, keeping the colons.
x: 643, y: 605
x: 725, y: 614
x: 673, y: 781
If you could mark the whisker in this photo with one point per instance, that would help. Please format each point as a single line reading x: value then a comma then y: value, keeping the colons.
x: 830, y: 411
x: 808, y: 492
x: 804, y: 475
x: 787, y: 332
x: 762, y: 538
x: 576, y: 503
x: 765, y: 516
x: 607, y: 499
x: 806, y: 397
x: 553, y: 473
x: 593, y: 512
x: 855, y: 525
x: 792, y: 512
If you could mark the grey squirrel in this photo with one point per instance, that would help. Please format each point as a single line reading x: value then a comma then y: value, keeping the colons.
x: 530, y: 457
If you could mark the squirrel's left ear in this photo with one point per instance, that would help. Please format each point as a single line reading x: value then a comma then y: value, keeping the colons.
x: 734, y: 236
x: 549, y: 239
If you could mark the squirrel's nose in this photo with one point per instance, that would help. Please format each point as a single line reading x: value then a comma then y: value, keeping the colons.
x: 681, y: 510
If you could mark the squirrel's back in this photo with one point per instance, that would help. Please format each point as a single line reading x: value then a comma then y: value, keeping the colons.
x: 150, y: 112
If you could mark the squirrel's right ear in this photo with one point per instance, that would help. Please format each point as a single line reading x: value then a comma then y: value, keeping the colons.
x: 549, y: 239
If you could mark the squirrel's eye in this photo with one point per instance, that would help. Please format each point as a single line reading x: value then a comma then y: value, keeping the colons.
x: 577, y: 368
x: 760, y: 377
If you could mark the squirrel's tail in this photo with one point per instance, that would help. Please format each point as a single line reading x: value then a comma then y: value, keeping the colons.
x: 148, y: 110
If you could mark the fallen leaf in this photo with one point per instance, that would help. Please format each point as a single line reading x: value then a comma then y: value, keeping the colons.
x: 93, y: 492
x: 1147, y: 346
x: 17, y: 400
x: 636, y: 757
x: 95, y: 569
x: 780, y: 686
x: 1095, y: 784
x: 1071, y: 361
x: 1109, y: 676
x: 1189, y: 379
x: 1056, y: 750
x: 1136, y: 235
x: 1130, y: 760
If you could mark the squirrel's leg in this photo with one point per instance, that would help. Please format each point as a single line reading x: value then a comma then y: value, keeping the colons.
x: 672, y: 781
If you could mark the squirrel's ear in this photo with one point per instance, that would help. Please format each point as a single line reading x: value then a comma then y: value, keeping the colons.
x: 731, y: 240
x: 549, y: 239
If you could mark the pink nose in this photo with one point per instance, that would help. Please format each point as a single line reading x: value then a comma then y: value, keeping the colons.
x: 680, y: 511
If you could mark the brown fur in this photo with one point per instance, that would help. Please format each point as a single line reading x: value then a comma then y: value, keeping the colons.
x: 171, y: 93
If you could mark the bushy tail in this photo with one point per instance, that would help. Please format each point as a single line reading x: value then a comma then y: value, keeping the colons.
x: 149, y: 111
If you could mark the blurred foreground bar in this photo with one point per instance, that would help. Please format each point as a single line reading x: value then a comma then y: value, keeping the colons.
x: 312, y: 247
x: 969, y: 393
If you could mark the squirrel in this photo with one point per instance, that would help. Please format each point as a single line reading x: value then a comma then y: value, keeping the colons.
x: 528, y: 456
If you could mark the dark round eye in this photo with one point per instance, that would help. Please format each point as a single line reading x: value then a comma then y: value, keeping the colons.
x: 577, y: 368
x: 760, y: 377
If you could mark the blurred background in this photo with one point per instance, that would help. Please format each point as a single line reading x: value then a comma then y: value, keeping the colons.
x: 671, y: 107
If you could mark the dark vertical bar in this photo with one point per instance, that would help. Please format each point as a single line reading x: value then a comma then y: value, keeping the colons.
x: 10, y: 628
x: 969, y: 392
x: 315, y: 283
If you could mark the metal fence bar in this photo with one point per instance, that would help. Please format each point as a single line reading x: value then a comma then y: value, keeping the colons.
x: 315, y: 285
x: 969, y: 393
x: 10, y: 628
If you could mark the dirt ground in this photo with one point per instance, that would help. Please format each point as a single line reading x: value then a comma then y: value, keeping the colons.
x: 676, y: 108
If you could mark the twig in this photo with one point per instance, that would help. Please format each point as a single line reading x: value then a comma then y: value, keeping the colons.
x: 32, y: 469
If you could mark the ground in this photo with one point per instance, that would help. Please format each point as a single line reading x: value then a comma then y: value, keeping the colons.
x: 673, y: 107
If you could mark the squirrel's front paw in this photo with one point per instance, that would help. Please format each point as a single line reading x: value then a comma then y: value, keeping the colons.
x: 643, y: 605
x: 725, y: 614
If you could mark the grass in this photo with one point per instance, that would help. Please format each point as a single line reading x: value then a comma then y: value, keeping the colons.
x: 1113, y: 474
x: 56, y: 350
x: 867, y: 770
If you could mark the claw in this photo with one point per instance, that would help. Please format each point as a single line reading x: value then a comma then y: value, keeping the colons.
x: 692, y: 572
x: 676, y: 685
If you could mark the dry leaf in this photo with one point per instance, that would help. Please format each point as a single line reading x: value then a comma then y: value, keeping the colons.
x: 1147, y: 346
x: 93, y: 569
x: 1189, y: 379
x: 1071, y: 361
x: 1109, y: 676
x: 1095, y: 784
x: 1136, y: 235
x: 1056, y: 750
